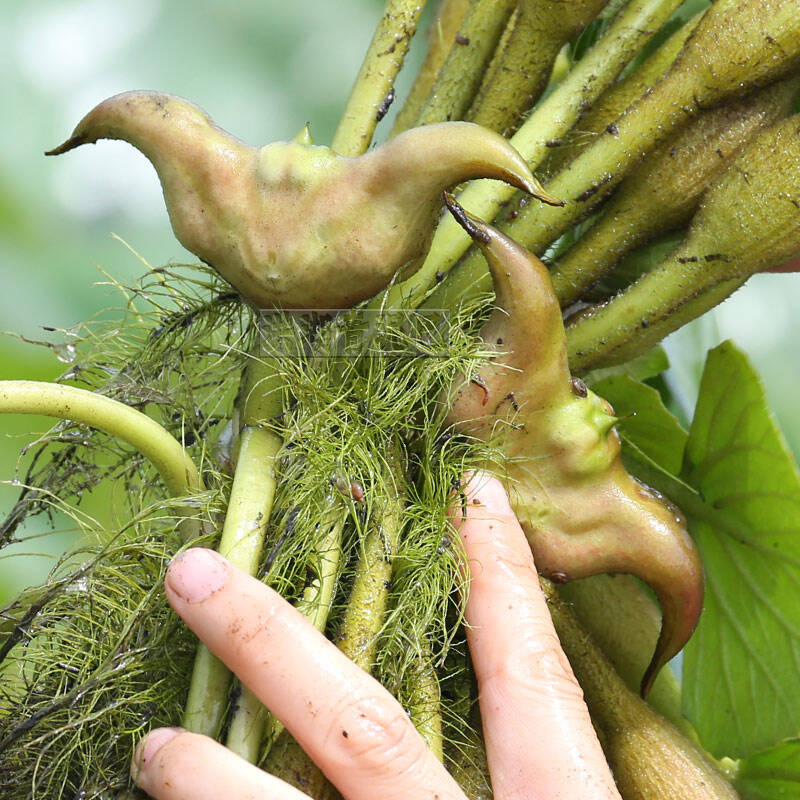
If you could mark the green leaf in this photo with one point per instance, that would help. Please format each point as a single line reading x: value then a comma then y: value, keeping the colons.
x: 741, y: 687
x: 649, y: 364
x: 645, y: 422
x: 740, y: 491
x: 771, y: 774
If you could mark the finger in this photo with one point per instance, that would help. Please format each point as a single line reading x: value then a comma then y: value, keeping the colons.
x: 539, y: 739
x: 354, y: 730
x: 172, y: 764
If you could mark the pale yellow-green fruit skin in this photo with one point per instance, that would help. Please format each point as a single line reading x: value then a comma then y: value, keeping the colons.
x: 292, y: 224
x: 582, y: 512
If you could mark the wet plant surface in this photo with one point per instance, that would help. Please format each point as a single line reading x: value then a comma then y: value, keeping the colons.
x: 309, y: 401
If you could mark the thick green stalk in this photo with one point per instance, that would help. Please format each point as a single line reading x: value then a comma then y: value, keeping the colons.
x: 358, y: 638
x: 426, y: 698
x: 251, y: 724
x: 665, y: 191
x: 374, y: 86
x: 648, y: 756
x: 613, y: 102
x: 497, y: 59
x: 739, y: 230
x: 243, y: 532
x: 315, y: 604
x: 624, y: 621
x: 464, y: 748
x: 549, y: 122
x: 289, y: 762
x: 366, y: 608
x: 522, y: 68
x: 441, y: 38
x: 467, y: 763
x: 619, y: 330
x: 738, y: 44
x: 140, y: 431
x: 462, y: 70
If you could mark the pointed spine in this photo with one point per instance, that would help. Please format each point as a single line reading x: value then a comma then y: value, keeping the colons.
x: 524, y: 297
x: 159, y: 125
x: 450, y: 152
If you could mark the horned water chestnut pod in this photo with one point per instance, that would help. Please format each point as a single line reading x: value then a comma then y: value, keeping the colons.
x: 293, y: 224
x: 582, y: 513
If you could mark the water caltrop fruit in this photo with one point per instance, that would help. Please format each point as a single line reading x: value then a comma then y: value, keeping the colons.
x: 292, y: 224
x: 582, y: 512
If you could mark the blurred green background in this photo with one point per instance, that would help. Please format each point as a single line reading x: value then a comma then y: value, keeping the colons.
x: 261, y: 68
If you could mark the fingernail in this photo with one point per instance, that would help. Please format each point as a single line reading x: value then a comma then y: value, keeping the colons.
x: 486, y: 491
x: 152, y: 743
x: 196, y: 574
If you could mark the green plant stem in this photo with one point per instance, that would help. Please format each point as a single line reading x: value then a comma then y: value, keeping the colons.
x: 550, y: 121
x: 289, y: 762
x: 490, y: 74
x: 467, y: 763
x: 242, y: 535
x: 643, y: 315
x: 315, y: 604
x: 521, y: 70
x: 612, y: 9
x: 137, y: 429
x: 251, y: 724
x: 358, y: 638
x: 441, y: 38
x: 648, y: 756
x: 613, y: 102
x: 366, y: 608
x: 426, y: 698
x: 375, y: 80
x: 664, y: 192
x: 624, y: 621
x: 766, y: 33
x: 463, y: 69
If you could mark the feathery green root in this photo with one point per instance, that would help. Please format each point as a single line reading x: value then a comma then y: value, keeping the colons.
x: 341, y: 374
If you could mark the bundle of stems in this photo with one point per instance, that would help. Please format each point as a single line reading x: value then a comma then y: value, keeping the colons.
x: 332, y: 474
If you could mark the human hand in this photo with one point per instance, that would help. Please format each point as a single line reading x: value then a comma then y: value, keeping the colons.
x: 539, y: 739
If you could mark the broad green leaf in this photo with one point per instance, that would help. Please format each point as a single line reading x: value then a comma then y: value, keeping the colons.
x: 771, y: 774
x: 649, y: 364
x: 740, y: 491
x: 741, y: 668
x: 645, y: 421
